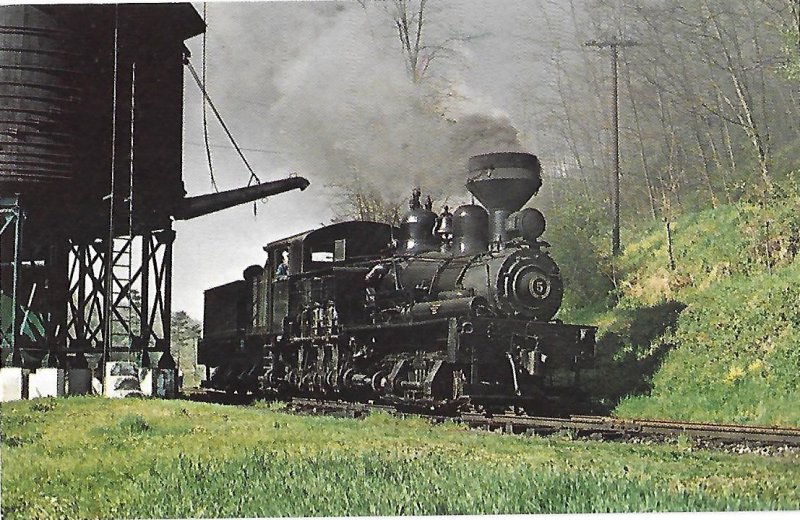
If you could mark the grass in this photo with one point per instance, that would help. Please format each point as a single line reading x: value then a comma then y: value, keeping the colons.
x: 736, y: 358
x: 715, y: 339
x: 96, y: 458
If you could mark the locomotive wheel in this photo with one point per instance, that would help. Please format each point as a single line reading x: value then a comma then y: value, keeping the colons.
x: 332, y: 380
x: 378, y: 382
x: 347, y: 378
x: 320, y: 382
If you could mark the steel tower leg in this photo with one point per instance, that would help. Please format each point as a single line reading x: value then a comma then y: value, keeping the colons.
x: 11, y: 216
x: 149, y: 291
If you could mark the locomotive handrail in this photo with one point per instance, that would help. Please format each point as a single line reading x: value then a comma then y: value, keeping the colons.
x: 373, y: 326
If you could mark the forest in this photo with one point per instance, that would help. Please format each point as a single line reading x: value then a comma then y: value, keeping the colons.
x: 708, y: 100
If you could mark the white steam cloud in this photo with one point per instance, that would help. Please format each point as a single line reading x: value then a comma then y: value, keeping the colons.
x: 344, y: 108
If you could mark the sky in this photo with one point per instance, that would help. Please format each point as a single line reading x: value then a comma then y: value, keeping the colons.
x: 321, y: 89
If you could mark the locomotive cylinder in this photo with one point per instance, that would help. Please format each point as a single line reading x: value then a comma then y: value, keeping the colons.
x: 423, y: 311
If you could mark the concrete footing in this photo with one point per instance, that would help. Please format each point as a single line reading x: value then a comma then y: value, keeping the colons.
x: 47, y: 382
x: 97, y: 386
x: 13, y: 384
x: 79, y: 381
x: 166, y: 383
x: 121, y: 379
x: 146, y: 381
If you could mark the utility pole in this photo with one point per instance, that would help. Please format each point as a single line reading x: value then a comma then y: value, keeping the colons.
x: 614, y: 43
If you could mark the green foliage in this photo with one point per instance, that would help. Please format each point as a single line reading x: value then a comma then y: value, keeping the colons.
x: 630, y: 349
x: 91, y: 457
x: 581, y: 241
x: 715, y: 339
x: 185, y: 334
x: 133, y: 424
x: 737, y: 358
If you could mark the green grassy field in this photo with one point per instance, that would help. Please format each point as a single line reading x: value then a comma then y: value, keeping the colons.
x: 92, y: 457
x: 716, y: 338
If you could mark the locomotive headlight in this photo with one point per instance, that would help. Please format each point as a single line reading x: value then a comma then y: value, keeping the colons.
x: 532, y: 284
x: 539, y: 286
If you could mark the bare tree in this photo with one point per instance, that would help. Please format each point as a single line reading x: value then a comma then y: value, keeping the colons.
x: 410, y: 19
x: 787, y: 12
x: 357, y: 201
x: 742, y: 105
x: 639, y: 137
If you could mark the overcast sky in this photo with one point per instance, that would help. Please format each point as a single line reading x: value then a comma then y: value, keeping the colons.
x: 320, y: 88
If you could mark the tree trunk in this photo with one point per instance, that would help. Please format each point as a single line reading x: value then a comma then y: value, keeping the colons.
x: 745, y: 112
x: 669, y: 146
x: 640, y: 138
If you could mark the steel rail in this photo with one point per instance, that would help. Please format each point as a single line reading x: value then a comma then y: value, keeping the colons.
x: 615, y: 428
x: 584, y: 425
x: 581, y: 426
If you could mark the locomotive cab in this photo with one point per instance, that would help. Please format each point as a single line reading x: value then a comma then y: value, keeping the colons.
x: 316, y: 261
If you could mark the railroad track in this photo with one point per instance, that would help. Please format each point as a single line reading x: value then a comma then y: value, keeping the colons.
x: 580, y: 426
x: 613, y: 428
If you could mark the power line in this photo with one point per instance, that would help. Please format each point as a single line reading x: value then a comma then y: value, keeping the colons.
x: 222, y: 146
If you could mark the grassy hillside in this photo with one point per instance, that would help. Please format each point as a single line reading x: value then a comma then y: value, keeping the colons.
x: 92, y: 457
x: 717, y: 338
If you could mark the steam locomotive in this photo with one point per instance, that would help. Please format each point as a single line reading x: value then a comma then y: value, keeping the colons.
x: 443, y: 312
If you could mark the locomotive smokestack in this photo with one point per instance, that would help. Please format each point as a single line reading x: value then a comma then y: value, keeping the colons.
x: 503, y: 182
x: 192, y: 207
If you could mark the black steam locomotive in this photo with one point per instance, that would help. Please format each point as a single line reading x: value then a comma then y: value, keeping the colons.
x: 444, y: 311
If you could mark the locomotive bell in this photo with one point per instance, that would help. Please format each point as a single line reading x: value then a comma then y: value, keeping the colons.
x: 503, y: 182
x: 445, y: 227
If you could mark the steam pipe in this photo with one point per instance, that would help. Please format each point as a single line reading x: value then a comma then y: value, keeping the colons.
x: 192, y: 207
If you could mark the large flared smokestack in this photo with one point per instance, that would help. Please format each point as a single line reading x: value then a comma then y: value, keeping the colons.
x: 503, y: 182
x: 192, y: 207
